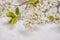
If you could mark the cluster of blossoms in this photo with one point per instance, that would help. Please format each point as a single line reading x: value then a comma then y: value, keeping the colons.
x: 34, y: 12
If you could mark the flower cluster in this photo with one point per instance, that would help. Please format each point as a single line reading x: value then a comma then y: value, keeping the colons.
x: 38, y: 12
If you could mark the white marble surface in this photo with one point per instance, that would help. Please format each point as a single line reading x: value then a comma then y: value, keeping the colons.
x: 19, y: 33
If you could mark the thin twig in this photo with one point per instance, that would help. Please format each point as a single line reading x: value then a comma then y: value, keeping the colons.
x: 58, y: 6
x: 16, y: 5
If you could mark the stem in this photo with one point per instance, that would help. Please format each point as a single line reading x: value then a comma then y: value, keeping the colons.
x: 16, y: 5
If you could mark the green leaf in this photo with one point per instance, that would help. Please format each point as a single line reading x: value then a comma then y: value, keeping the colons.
x: 10, y: 14
x: 36, y: 14
x: 51, y: 18
x: 13, y: 21
x: 57, y: 18
x: 17, y: 11
x: 33, y: 2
